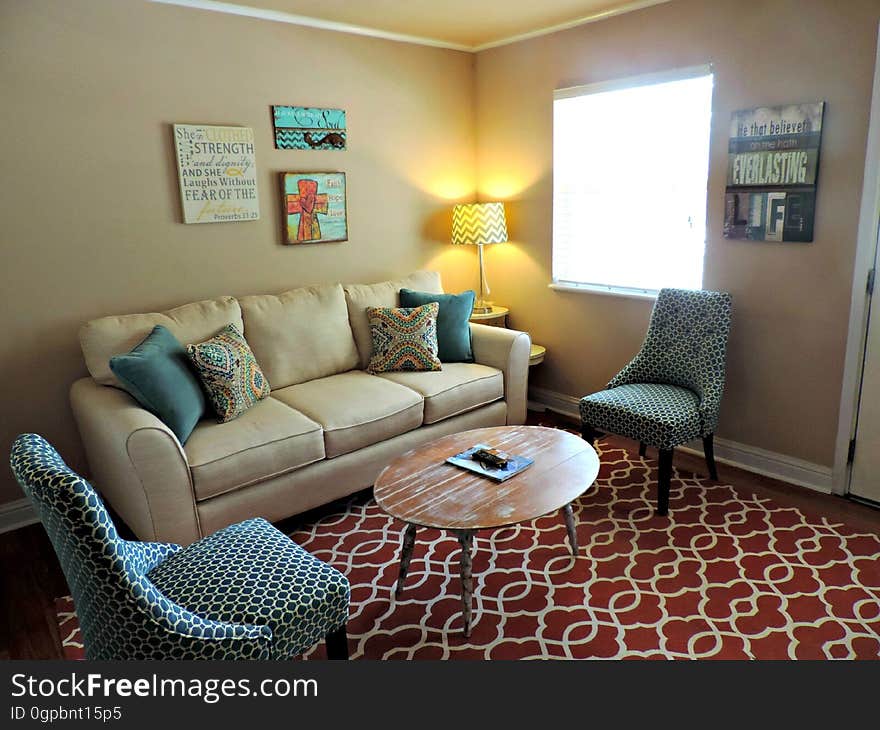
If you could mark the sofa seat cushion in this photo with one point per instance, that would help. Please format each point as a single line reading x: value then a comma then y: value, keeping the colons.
x: 355, y: 409
x: 457, y: 388
x: 266, y: 440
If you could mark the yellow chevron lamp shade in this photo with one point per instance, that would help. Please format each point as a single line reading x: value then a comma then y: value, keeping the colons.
x: 479, y: 223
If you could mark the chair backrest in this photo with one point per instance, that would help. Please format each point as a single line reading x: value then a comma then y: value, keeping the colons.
x: 92, y: 555
x: 686, y: 345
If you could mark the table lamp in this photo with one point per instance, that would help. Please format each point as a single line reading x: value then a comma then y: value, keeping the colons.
x: 479, y: 224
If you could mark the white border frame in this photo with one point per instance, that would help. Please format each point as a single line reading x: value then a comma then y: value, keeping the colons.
x: 866, y: 254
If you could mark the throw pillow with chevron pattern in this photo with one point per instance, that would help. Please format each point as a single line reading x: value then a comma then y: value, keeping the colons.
x: 229, y: 373
x: 404, y: 338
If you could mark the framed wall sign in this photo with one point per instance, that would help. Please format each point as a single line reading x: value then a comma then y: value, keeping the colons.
x: 217, y: 173
x: 308, y: 128
x: 773, y: 164
x: 314, y: 207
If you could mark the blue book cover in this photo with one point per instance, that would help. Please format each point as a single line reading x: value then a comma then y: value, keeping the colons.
x: 515, y: 464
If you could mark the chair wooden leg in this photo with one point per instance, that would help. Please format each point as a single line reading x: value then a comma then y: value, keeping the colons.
x: 664, y: 477
x: 588, y: 433
x: 643, y: 448
x: 709, y: 451
x: 337, y: 643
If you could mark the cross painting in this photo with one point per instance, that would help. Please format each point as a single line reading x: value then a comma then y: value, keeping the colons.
x: 308, y: 128
x: 314, y: 207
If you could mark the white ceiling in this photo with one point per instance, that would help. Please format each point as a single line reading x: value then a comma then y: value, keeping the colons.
x: 463, y: 24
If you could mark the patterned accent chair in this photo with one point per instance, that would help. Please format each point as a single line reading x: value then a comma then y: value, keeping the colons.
x: 671, y: 391
x: 245, y: 592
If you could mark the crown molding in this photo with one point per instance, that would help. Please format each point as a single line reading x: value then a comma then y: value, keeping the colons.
x: 592, y: 18
x: 280, y: 16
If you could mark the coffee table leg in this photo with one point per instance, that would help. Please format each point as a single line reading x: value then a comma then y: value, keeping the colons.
x: 409, y: 541
x: 466, y: 540
x: 569, y: 525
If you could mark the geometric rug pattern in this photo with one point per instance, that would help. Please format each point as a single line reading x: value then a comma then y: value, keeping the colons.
x: 727, y: 575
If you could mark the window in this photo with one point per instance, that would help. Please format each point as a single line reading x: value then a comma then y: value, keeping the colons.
x: 630, y: 168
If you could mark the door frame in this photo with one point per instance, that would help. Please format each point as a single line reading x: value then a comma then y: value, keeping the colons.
x: 866, y: 255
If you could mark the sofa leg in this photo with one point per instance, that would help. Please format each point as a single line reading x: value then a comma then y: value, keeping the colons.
x: 588, y: 433
x: 337, y: 643
x: 643, y: 449
x: 709, y: 451
x: 664, y: 476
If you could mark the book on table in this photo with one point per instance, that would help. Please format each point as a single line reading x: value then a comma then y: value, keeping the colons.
x: 515, y: 464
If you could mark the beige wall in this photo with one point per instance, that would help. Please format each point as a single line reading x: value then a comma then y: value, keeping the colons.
x: 791, y: 301
x: 90, y: 205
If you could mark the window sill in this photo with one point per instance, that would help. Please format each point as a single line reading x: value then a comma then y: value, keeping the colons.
x: 613, y: 291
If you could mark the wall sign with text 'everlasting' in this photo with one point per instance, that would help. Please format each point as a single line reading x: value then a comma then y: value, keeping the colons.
x: 773, y: 163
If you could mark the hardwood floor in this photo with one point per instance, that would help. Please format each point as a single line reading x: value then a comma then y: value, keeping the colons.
x: 31, y: 579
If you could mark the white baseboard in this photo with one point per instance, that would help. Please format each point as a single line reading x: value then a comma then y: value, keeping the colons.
x: 751, y: 458
x: 17, y: 514
x: 555, y: 401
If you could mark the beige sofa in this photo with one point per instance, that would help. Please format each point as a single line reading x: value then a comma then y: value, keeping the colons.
x: 326, y: 431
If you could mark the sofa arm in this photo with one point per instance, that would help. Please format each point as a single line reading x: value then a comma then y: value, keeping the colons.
x: 137, y: 463
x: 507, y: 350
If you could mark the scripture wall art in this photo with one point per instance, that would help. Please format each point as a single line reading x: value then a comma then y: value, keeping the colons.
x: 773, y: 162
x: 308, y: 128
x: 314, y: 207
x: 217, y: 173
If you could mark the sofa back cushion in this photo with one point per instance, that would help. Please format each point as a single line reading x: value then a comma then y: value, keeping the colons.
x: 103, y: 338
x: 384, y: 294
x: 301, y: 334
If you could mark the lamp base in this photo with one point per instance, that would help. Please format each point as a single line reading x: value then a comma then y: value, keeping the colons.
x: 482, y: 306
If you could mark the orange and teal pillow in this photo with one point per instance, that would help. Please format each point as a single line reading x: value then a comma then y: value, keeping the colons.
x: 158, y: 375
x: 404, y: 338
x: 229, y: 373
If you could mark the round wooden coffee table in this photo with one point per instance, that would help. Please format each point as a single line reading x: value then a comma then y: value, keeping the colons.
x: 422, y: 490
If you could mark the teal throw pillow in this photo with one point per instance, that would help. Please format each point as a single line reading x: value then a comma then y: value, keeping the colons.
x: 158, y: 375
x: 453, y: 328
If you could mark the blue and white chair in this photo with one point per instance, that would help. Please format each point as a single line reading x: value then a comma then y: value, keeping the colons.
x: 245, y: 592
x: 670, y: 393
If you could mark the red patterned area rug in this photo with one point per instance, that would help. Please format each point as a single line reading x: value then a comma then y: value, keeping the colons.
x: 728, y: 575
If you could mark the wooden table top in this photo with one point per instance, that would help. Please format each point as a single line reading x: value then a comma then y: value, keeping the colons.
x: 420, y: 488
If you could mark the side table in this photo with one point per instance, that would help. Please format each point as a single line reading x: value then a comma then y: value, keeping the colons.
x: 498, y: 318
x: 536, y: 356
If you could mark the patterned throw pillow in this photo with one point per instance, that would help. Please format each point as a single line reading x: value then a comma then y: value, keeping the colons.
x: 229, y: 373
x: 404, y: 338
